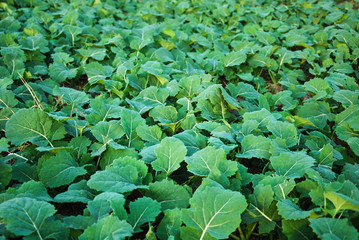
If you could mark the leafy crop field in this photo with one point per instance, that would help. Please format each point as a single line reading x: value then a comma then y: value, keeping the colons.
x: 174, y: 119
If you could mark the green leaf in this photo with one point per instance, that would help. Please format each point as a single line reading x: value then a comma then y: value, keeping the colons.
x: 107, y: 228
x: 265, y: 37
x: 95, y: 72
x: 76, y: 192
x: 244, y: 90
x: 71, y: 95
x: 346, y: 97
x: 261, y: 207
x: 284, y: 130
x: 215, y: 211
x: 106, y: 133
x: 351, y: 111
x: 170, y: 225
x: 105, y: 203
x: 317, y: 112
x: 131, y: 120
x: 164, y: 114
x: 170, y: 154
x: 24, y: 216
x: 342, y: 201
x: 298, y: 229
x: 234, y: 59
x: 152, y: 134
x: 255, y: 146
x: 78, y: 222
x: 98, y: 54
x: 60, y: 72
x: 331, y: 228
x: 153, y: 68
x: 35, y: 126
x: 33, y: 189
x: 116, y: 179
x: 291, y: 211
x: 263, y: 117
x: 60, y: 170
x: 354, y: 144
x: 7, y: 97
x: 292, y: 165
x: 169, y: 194
x: 210, y: 159
x: 318, y: 86
x: 143, y: 210
x: 5, y: 174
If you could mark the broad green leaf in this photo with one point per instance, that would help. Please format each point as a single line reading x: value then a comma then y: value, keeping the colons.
x: 169, y: 194
x: 342, y: 201
x: 132, y: 161
x: 261, y: 207
x: 60, y: 170
x: 95, y: 72
x: 52, y: 230
x: 130, y: 120
x: 234, y: 59
x: 35, y: 126
x: 100, y: 110
x: 8, y: 98
x: 331, y: 228
x: 5, y: 174
x: 71, y: 95
x: 170, y: 154
x: 78, y: 222
x: 98, y: 54
x: 164, y: 114
x: 170, y: 224
x: 116, y: 179
x: 244, y: 90
x: 354, y: 144
x: 33, y: 189
x: 351, y: 111
x: 154, y: 95
x: 210, y: 159
x: 76, y: 192
x: 280, y: 185
x: 255, y: 146
x: 33, y: 43
x: 297, y: 229
x: 346, y: 97
x: 107, y: 228
x: 317, y: 112
x: 265, y: 37
x: 24, y: 216
x: 194, y: 234
x: 284, y: 130
x: 290, y: 211
x: 106, y: 133
x: 152, y: 134
x: 153, y: 68
x: 105, y: 203
x: 190, y: 86
x: 143, y: 210
x: 351, y: 172
x: 318, y: 86
x: 215, y: 211
x: 262, y: 116
x: 292, y: 165
x: 60, y: 72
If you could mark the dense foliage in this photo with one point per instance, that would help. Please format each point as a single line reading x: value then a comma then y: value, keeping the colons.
x: 188, y: 119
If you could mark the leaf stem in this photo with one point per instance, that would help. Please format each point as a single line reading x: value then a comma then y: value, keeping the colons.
x: 243, y: 237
